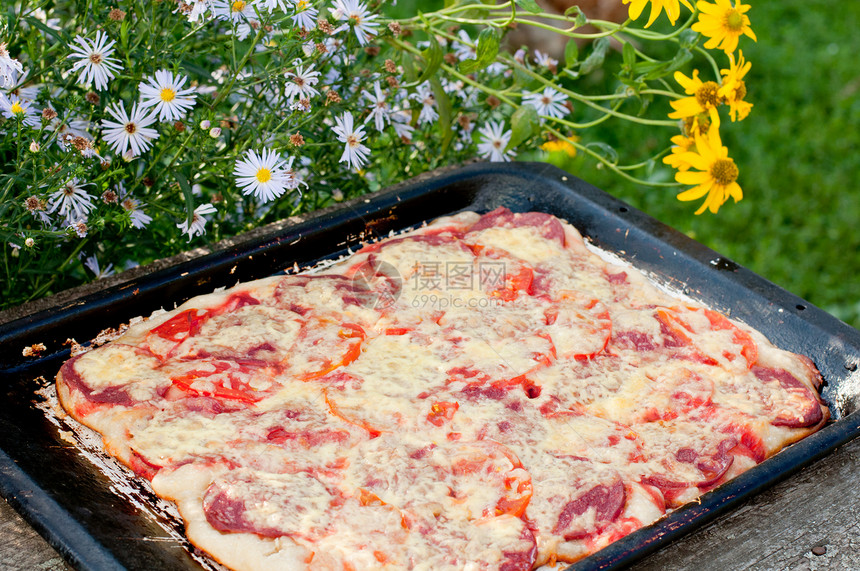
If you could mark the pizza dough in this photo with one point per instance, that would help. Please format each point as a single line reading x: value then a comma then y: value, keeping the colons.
x: 482, y: 393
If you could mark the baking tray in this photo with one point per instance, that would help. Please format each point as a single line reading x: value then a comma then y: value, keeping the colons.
x: 78, y: 509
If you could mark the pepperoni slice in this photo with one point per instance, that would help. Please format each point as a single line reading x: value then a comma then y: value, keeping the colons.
x: 271, y: 505
x: 258, y: 332
x: 574, y: 498
x: 795, y: 405
x: 546, y: 225
x: 303, y: 294
x: 133, y: 375
x: 693, y: 456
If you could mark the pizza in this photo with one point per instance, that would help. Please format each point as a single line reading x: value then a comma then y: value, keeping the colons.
x: 484, y: 392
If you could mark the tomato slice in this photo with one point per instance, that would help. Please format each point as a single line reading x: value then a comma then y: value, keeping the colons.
x: 353, y: 351
x: 243, y: 394
x: 485, y: 458
x: 519, y: 282
x: 749, y: 348
x: 442, y: 412
x: 675, y: 326
x: 182, y: 325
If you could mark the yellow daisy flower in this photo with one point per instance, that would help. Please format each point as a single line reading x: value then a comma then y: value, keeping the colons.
x: 672, y: 7
x: 715, y: 174
x: 733, y: 89
x: 723, y: 24
x: 682, y: 146
x: 704, y: 98
x: 700, y: 123
x: 560, y: 145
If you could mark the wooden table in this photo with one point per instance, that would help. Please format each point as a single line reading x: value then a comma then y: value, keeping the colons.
x: 818, y: 507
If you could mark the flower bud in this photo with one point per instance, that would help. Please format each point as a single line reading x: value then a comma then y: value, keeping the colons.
x: 35, y: 146
x: 215, y: 132
x: 205, y: 124
x: 29, y: 242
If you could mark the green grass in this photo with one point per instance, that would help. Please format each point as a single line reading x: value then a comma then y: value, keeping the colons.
x: 798, y: 155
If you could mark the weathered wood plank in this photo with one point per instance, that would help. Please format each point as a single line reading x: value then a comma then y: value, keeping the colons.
x: 22, y: 548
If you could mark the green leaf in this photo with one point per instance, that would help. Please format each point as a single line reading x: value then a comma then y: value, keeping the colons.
x: 524, y: 123
x: 186, y: 192
x: 487, y: 50
x: 571, y: 53
x: 680, y: 60
x: 408, y: 67
x: 689, y: 38
x: 529, y: 6
x: 58, y: 35
x: 629, y: 53
x: 123, y: 35
x: 596, y: 57
x: 579, y: 20
x: 443, y: 106
x: 605, y: 151
x: 432, y: 58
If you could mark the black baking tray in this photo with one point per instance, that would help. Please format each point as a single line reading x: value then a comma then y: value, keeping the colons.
x: 70, y: 502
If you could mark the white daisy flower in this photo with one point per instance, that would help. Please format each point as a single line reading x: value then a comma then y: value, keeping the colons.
x: 293, y: 180
x: 520, y: 56
x: 465, y: 48
x: 549, y: 103
x: 139, y: 218
x: 544, y: 60
x: 264, y: 175
x: 270, y: 5
x: 301, y: 83
x: 354, y: 153
x: 95, y: 62
x: 459, y: 89
x: 80, y: 228
x: 65, y: 132
x: 424, y: 94
x: 400, y: 121
x: 129, y: 133
x: 198, y: 223
x: 19, y: 90
x: 19, y: 109
x: 71, y: 200
x: 236, y: 11
x: 8, y: 67
x: 164, y: 92
x: 92, y: 264
x: 380, y: 110
x: 494, y: 139
x: 303, y: 105
x: 356, y: 16
x: 305, y: 15
x: 193, y: 9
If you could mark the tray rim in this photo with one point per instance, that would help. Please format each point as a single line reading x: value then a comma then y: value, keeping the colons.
x: 614, y: 556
